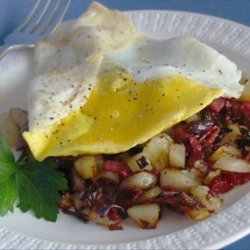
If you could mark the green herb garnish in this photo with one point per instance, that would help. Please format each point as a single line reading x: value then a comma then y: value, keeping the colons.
x: 32, y: 186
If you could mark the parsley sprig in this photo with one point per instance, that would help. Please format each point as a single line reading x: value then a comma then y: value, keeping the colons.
x: 31, y: 186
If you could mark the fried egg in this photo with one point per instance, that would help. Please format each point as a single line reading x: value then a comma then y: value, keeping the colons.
x: 102, y: 88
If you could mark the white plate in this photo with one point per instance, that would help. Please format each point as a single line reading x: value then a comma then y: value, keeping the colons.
x: 23, y: 231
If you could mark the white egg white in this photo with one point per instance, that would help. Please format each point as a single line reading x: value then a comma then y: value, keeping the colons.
x: 148, y: 59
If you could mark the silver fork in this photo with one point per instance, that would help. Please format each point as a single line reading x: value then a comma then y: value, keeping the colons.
x: 42, y: 20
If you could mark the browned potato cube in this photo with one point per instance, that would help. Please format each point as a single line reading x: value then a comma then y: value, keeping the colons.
x: 146, y: 215
x: 181, y: 180
x: 142, y: 180
x: 86, y: 166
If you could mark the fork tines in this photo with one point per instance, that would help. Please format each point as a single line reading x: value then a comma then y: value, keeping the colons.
x: 44, y: 16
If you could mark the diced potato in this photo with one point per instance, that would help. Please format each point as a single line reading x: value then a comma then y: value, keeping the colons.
x: 139, y: 162
x: 211, y: 175
x: 231, y: 137
x: 78, y: 203
x: 142, y: 180
x: 78, y: 181
x: 66, y: 201
x: 8, y: 130
x: 110, y: 175
x: 151, y: 193
x: 19, y: 116
x: 213, y: 204
x: 86, y: 166
x: 157, y: 151
x: 180, y: 180
x: 198, y: 214
x: 225, y: 150
x: 146, y: 216
x: 177, y: 155
x: 102, y: 220
x: 232, y: 164
x: 245, y: 95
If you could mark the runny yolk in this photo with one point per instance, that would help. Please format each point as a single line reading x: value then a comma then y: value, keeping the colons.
x: 121, y: 113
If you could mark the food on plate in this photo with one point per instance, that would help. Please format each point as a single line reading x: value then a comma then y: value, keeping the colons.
x: 134, y: 124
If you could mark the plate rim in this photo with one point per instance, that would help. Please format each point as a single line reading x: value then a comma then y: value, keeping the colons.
x: 181, y: 12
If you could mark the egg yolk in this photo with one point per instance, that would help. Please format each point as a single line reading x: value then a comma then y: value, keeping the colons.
x: 121, y: 113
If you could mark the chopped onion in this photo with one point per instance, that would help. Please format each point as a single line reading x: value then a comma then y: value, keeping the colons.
x: 105, y: 208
